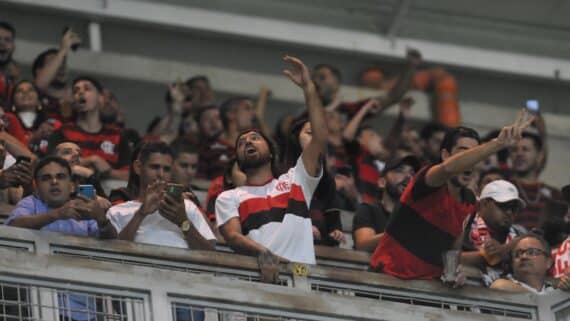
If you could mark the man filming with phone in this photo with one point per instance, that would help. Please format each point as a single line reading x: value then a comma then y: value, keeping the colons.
x: 160, y: 215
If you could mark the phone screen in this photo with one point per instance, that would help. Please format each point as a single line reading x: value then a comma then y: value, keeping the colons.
x: 87, y: 191
x: 532, y: 105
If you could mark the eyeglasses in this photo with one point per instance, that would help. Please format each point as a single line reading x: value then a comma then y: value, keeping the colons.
x: 531, y: 251
x: 513, y: 206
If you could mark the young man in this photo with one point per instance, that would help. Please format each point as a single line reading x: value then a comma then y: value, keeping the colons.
x: 431, y: 137
x: 526, y: 158
x: 157, y: 216
x: 185, y: 163
x: 371, y: 218
x: 269, y: 214
x: 435, y: 204
x: 530, y: 261
x: 489, y: 231
x: 104, y: 147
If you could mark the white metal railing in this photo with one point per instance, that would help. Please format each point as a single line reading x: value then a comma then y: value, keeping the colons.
x: 153, y: 283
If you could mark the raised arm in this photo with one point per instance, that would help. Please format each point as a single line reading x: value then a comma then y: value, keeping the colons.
x: 312, y: 153
x: 49, y: 71
x: 352, y: 127
x: 438, y: 174
x: 414, y: 58
x: 394, y: 136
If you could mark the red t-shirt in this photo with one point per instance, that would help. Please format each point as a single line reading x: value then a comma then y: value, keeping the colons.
x: 561, y: 259
x: 426, y: 224
x: 214, y: 156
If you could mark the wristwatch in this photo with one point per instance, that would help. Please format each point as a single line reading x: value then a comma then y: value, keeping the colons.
x: 185, y: 226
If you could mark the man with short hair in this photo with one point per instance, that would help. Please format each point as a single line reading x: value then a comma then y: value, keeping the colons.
x: 530, y: 261
x: 488, y: 231
x: 158, y: 216
x: 9, y: 69
x: 104, y: 147
x: 431, y: 136
x: 435, y: 204
x: 52, y: 209
x: 201, y: 91
x: 185, y: 162
x: 268, y: 214
x: 71, y: 152
x: 526, y: 157
x: 371, y: 218
x: 237, y: 114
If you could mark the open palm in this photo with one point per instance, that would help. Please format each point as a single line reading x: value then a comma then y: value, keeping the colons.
x: 299, y: 74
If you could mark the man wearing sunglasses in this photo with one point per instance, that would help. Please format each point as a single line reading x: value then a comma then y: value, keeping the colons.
x: 490, y: 229
x: 530, y: 261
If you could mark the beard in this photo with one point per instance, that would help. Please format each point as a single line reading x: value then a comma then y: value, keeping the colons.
x: 253, y: 163
x: 394, y: 191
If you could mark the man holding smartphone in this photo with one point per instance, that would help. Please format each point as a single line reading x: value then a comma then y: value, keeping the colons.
x: 160, y: 215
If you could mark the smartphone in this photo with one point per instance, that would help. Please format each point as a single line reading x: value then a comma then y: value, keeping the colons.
x: 87, y: 191
x: 74, y: 46
x: 175, y: 190
x: 21, y: 159
x: 533, y: 106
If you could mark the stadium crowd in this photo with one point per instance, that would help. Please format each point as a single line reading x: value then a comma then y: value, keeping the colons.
x: 419, y: 194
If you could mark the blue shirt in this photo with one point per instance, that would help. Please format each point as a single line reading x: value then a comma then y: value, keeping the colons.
x: 78, y: 304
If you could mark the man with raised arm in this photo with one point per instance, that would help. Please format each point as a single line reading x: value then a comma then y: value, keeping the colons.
x: 435, y: 204
x: 268, y: 214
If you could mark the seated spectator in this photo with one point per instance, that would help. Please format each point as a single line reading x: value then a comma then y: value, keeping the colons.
x: 10, y: 70
x: 491, y: 175
x: 435, y: 204
x: 27, y: 107
x: 370, y: 218
x: 50, y: 76
x: 490, y: 229
x: 268, y: 214
x: 555, y: 226
x: 159, y: 217
x: 104, y: 147
x: 15, y: 176
x: 529, y: 263
x: 323, y: 209
x: 431, y: 136
x: 232, y: 178
x: 526, y: 166
x: 214, y: 149
x: 185, y: 162
x: 80, y: 174
x: 347, y: 196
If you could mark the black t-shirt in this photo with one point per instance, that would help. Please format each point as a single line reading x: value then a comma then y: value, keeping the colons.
x: 372, y: 215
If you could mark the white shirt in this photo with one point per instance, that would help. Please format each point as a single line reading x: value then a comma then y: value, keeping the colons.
x: 155, y: 229
x: 276, y: 214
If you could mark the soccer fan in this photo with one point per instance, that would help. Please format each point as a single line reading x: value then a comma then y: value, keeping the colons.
x: 159, y: 216
x: 435, y: 204
x: 370, y: 219
x: 201, y: 91
x: 555, y: 225
x: 268, y: 214
x: 80, y: 174
x: 526, y: 157
x: 232, y: 178
x: 529, y: 264
x: 9, y: 69
x: 431, y: 136
x: 104, y: 147
x: 50, y: 76
x: 490, y: 229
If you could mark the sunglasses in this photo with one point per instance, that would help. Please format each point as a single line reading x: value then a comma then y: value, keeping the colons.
x: 531, y: 251
x: 513, y: 206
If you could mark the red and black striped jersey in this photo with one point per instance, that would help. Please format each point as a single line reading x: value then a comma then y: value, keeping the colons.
x: 535, y: 195
x: 108, y: 143
x: 426, y: 224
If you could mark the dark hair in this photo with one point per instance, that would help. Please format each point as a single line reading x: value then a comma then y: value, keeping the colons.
x: 431, y: 128
x: 453, y: 135
x: 293, y: 146
x: 505, y: 174
x: 533, y: 235
x: 335, y: 71
x: 198, y: 114
x: 51, y: 159
x: 537, y: 141
x: 193, y: 80
x: 182, y: 145
x: 40, y: 60
x: 8, y: 26
x: 18, y: 85
x: 229, y: 105
x: 272, y: 150
x: 150, y: 148
x: 362, y: 128
x: 92, y: 80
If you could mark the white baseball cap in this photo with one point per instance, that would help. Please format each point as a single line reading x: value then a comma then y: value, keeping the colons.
x: 501, y: 191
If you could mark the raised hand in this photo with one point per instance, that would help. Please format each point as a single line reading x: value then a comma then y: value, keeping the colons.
x: 69, y: 39
x: 510, y: 135
x: 406, y: 106
x: 299, y: 74
x: 173, y: 209
x: 152, y: 197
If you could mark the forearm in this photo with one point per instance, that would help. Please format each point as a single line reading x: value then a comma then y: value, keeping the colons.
x: 119, y: 174
x: 130, y: 231
x: 367, y: 244
x: 47, y: 74
x: 244, y: 245
x: 35, y: 222
x: 15, y: 147
x: 316, y: 116
x: 397, y: 92
x: 472, y: 258
x: 106, y: 230
x: 196, y: 241
x: 352, y: 127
